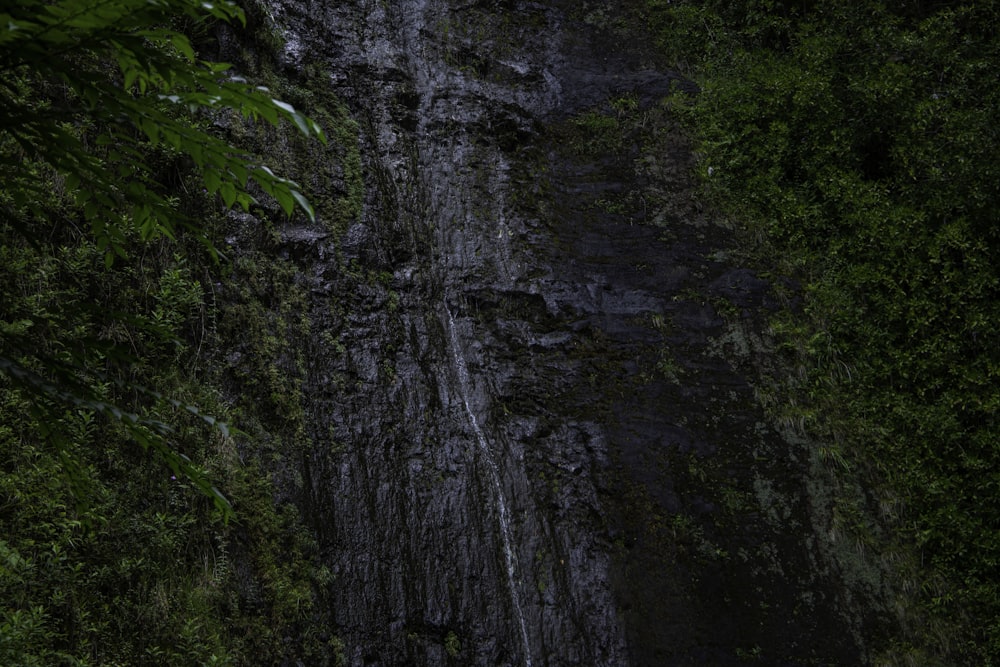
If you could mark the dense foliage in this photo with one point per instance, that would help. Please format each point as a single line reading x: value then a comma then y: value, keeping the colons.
x: 104, y: 106
x: 120, y: 151
x: 860, y: 142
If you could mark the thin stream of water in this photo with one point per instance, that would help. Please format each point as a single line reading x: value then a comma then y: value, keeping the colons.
x: 503, y: 514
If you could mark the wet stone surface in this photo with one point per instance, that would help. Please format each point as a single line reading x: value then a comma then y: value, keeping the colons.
x: 534, y: 437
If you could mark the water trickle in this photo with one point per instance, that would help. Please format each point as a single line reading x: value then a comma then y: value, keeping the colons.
x: 503, y: 514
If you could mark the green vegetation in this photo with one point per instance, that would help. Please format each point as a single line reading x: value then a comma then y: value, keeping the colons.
x: 91, y: 88
x: 857, y: 144
x: 452, y: 645
x: 120, y: 153
x: 103, y: 113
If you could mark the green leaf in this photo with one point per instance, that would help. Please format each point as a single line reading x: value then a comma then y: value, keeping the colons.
x: 286, y: 200
x: 182, y: 44
x: 228, y: 192
x: 284, y: 106
x: 212, y: 180
x: 304, y: 203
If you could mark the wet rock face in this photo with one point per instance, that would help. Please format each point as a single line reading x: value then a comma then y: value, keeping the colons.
x: 533, y: 437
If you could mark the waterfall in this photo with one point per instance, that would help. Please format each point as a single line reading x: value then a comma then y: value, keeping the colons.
x: 503, y: 514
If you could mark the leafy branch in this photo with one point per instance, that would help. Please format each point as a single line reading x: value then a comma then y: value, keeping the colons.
x: 156, y: 97
x: 89, y: 89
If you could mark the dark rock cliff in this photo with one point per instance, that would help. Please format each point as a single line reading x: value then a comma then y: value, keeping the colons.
x: 533, y: 423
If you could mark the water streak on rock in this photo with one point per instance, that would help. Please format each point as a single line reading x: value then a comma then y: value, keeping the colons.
x: 503, y: 514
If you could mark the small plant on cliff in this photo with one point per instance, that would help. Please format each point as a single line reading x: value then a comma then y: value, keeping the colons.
x: 452, y: 645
